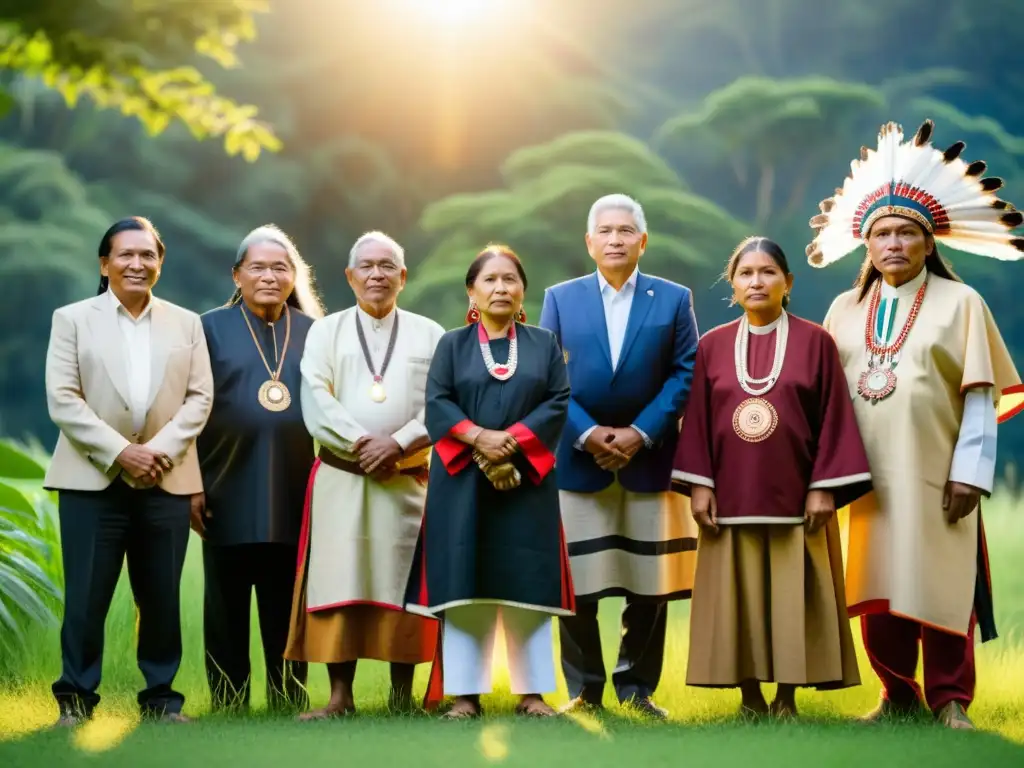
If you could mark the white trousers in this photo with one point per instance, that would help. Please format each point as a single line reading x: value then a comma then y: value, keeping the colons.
x: 468, y: 641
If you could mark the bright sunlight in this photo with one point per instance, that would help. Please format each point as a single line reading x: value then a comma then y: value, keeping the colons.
x: 461, y: 13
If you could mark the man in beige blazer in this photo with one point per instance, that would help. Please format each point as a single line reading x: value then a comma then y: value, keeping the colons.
x: 128, y: 383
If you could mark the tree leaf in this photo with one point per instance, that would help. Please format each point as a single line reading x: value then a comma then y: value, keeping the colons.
x: 15, y: 464
x: 13, y: 499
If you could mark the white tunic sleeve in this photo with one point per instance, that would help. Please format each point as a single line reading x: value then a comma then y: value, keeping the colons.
x: 327, y: 420
x: 974, y: 457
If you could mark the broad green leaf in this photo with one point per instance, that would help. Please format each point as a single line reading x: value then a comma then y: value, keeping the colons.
x: 13, y: 499
x: 17, y: 465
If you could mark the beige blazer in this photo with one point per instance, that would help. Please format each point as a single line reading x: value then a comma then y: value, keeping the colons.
x: 87, y: 392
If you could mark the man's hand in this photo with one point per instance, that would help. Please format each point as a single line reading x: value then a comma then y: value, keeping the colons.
x: 378, y: 456
x: 959, y: 500
x: 818, y: 510
x: 627, y: 441
x: 495, y: 445
x: 704, y: 508
x: 143, y: 463
x: 599, y: 444
x: 198, y: 514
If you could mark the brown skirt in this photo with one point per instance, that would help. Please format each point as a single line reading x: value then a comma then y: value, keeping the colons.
x: 769, y: 604
x: 357, y: 631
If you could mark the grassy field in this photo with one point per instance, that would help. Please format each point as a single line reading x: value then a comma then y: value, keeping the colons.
x: 702, y: 730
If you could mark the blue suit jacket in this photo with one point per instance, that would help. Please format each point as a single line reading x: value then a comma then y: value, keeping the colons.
x: 648, y: 389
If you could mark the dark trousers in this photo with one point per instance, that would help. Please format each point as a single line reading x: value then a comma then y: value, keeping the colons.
x: 98, y: 531
x: 641, y: 651
x: 892, y: 643
x: 232, y: 573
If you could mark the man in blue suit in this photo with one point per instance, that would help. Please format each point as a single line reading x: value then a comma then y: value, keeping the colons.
x: 630, y: 341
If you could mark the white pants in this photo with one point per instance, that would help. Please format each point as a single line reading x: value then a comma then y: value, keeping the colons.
x: 468, y: 641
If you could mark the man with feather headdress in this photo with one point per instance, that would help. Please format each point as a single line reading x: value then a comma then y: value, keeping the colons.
x: 930, y: 378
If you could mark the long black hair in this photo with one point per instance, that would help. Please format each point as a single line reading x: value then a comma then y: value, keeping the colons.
x: 758, y: 245
x: 304, y: 296
x: 136, y: 223
x: 933, y: 262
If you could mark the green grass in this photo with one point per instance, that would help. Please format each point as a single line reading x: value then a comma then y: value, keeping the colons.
x: 703, y: 729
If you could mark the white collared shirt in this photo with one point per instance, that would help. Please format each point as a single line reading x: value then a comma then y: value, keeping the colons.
x: 135, y: 335
x: 617, y: 305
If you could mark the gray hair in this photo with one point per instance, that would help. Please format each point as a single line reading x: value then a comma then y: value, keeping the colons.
x: 380, y: 239
x: 304, y: 297
x: 617, y: 202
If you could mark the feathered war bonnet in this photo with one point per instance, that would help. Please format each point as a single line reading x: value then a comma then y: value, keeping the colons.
x: 936, y: 189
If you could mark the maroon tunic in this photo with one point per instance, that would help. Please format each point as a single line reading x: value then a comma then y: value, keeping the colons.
x: 815, y: 445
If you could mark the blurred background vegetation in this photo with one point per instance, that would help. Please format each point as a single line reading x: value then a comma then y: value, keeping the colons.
x: 331, y: 117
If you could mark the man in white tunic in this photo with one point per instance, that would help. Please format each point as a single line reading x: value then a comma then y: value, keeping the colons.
x: 364, y: 374
x: 928, y: 372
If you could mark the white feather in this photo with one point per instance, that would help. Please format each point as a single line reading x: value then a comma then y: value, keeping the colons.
x: 974, y: 225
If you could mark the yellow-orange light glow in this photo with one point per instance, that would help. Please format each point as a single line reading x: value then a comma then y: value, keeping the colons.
x: 460, y: 12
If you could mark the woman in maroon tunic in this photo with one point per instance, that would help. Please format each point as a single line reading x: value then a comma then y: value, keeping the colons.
x: 769, y: 450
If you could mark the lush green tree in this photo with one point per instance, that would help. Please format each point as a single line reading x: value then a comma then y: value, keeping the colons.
x: 48, y: 226
x: 541, y: 213
x: 133, y: 55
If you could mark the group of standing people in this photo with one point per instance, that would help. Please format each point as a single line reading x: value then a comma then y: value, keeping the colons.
x: 609, y: 450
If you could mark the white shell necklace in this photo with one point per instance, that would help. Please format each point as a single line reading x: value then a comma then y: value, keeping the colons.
x: 747, y: 383
x: 500, y: 372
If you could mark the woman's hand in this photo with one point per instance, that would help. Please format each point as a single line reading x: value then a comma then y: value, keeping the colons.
x: 704, y: 508
x: 818, y: 510
x: 495, y: 445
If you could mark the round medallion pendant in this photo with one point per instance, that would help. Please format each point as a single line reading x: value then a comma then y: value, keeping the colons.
x: 377, y: 393
x: 755, y: 419
x: 274, y: 396
x: 876, y: 384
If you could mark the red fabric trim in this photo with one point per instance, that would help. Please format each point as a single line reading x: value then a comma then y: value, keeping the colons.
x: 1016, y: 389
x: 541, y: 460
x: 568, y: 590
x: 868, y: 606
x: 434, y: 694
x: 455, y: 454
x: 346, y: 603
x: 307, y: 513
x: 462, y: 427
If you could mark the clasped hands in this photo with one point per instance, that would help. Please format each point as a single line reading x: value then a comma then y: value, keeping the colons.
x: 378, y: 457
x: 818, y: 509
x: 143, y: 464
x: 613, y: 448
x: 492, y: 450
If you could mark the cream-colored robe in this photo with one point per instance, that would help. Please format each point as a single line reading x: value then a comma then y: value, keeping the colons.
x: 362, y: 533
x: 903, y: 556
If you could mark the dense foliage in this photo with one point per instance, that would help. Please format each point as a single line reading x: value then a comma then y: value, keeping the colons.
x: 30, y: 570
x: 724, y: 118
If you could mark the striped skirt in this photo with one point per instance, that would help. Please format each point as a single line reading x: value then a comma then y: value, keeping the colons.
x: 635, y: 545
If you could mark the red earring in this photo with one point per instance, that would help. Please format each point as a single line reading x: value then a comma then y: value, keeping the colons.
x: 473, y: 315
x: 521, y: 317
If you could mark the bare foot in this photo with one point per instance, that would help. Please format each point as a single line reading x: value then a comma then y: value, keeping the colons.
x: 333, y: 709
x: 533, y: 705
x: 463, y: 708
